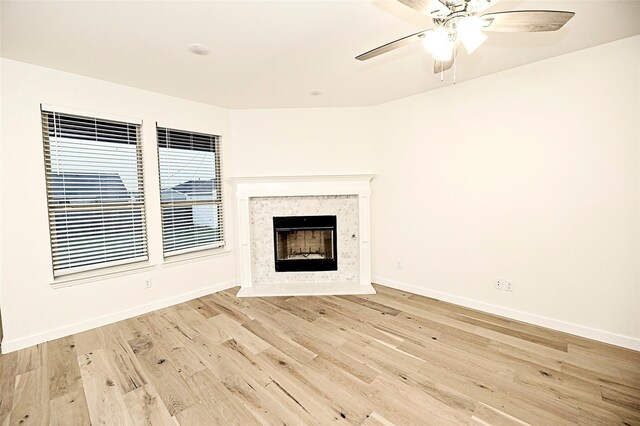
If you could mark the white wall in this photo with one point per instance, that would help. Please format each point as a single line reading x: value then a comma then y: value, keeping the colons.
x: 306, y: 141
x: 531, y: 174
x: 32, y: 310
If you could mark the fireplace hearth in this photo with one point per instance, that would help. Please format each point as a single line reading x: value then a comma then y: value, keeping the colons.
x: 305, y: 243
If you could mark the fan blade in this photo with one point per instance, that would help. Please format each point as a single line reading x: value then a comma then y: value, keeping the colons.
x: 432, y: 8
x: 526, y: 21
x: 391, y: 46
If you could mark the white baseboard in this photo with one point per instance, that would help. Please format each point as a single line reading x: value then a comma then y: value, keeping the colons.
x: 56, y: 333
x: 566, y: 327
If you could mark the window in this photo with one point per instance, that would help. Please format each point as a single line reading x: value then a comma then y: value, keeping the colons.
x: 190, y: 191
x: 94, y: 192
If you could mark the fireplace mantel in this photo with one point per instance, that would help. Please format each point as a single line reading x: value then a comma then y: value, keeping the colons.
x: 248, y: 188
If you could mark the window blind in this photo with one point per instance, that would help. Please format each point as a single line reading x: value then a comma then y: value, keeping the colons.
x: 190, y: 191
x: 94, y: 191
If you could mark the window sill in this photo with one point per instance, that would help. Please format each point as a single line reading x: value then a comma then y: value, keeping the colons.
x: 113, y: 272
x: 180, y: 259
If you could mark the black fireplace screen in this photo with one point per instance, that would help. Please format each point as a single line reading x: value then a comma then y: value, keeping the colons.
x: 305, y: 243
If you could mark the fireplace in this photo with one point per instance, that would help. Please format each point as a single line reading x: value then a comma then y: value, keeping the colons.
x: 305, y: 243
x: 261, y: 199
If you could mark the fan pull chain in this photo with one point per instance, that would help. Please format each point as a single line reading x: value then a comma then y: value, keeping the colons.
x: 455, y: 63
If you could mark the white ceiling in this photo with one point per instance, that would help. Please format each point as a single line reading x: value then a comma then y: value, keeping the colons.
x: 268, y: 54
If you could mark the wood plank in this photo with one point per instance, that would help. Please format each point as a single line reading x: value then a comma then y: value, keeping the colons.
x: 71, y: 408
x: 241, y: 374
x: 296, y: 325
x: 219, y: 304
x: 594, y: 415
x: 422, y: 407
x: 561, y: 385
x: 611, y: 351
x: 127, y: 371
x: 201, y: 307
x: 31, y: 358
x: 236, y: 369
x: 225, y: 407
x: 171, y: 386
x: 338, y: 359
x: 64, y: 373
x: 160, y: 330
x: 626, y: 400
x: 146, y: 407
x: 486, y: 415
x: 192, y: 325
x: 31, y: 398
x: 357, y: 332
x: 376, y: 419
x: 371, y: 304
x: 281, y: 343
x: 288, y: 378
x: 259, y: 305
x: 88, y: 341
x: 392, y: 292
x: 426, y: 378
x: 196, y: 415
x: 505, y: 354
x: 292, y: 305
x: 249, y: 340
x: 553, y: 343
x: 436, y: 353
x: 103, y: 396
x: 8, y: 368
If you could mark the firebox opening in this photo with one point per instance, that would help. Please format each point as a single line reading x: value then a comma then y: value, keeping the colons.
x: 305, y: 243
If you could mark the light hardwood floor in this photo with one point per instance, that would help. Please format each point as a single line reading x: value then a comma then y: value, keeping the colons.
x: 388, y: 358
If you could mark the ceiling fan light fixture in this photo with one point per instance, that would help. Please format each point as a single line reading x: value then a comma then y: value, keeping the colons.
x: 471, y: 43
x: 444, y: 52
x: 435, y: 40
x: 469, y: 31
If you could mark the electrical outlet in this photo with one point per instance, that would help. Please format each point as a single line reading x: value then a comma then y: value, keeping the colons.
x: 498, y: 284
x: 508, y: 285
x: 398, y: 264
x: 147, y: 283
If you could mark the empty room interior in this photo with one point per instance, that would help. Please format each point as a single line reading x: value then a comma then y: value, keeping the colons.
x: 311, y: 212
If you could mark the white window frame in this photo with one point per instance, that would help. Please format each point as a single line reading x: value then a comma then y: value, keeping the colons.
x: 136, y: 206
x: 163, y: 134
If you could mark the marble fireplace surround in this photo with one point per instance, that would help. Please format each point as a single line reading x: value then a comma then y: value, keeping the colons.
x: 258, y: 199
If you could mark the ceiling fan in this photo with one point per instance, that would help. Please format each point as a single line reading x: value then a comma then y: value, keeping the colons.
x: 457, y: 22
